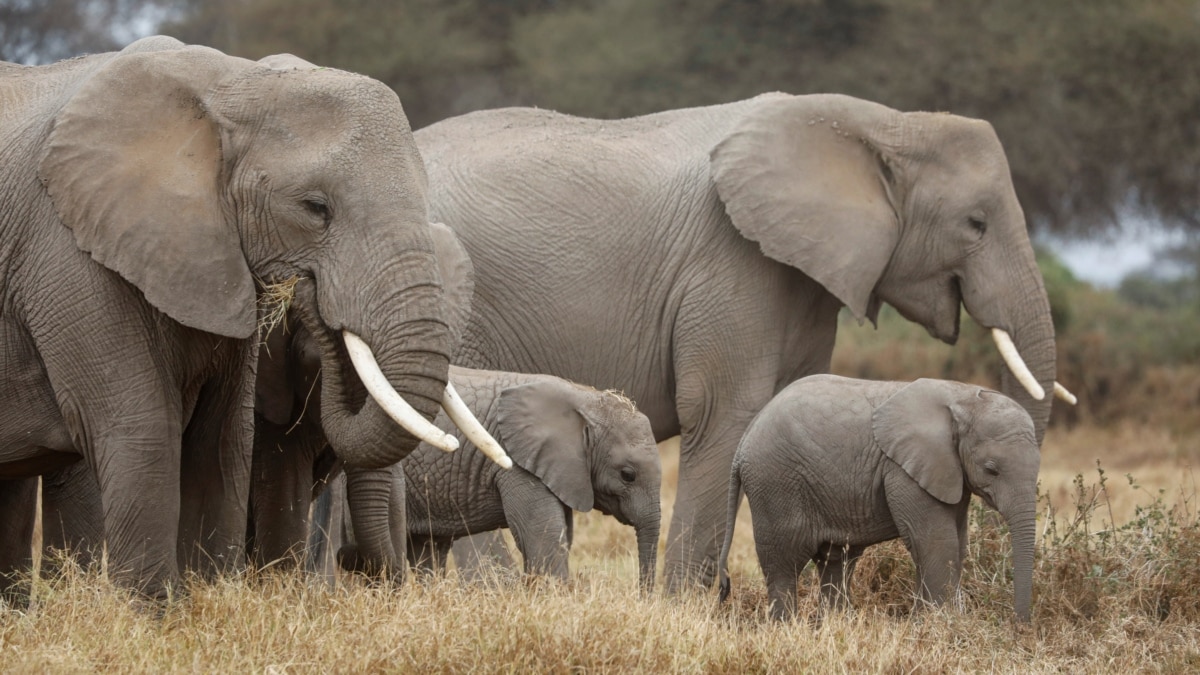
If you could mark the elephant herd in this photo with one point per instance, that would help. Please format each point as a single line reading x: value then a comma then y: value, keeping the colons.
x: 153, y: 199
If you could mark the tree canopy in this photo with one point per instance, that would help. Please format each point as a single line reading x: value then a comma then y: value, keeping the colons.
x: 1096, y: 101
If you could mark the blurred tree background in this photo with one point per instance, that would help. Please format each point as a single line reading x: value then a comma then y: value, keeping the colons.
x: 1097, y: 103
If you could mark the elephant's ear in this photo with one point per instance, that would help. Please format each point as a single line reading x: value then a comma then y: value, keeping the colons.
x: 915, y: 428
x: 134, y: 165
x: 458, y: 279
x: 802, y: 177
x: 543, y: 431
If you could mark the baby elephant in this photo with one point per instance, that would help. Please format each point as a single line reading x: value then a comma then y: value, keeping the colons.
x: 832, y: 465
x: 573, y: 448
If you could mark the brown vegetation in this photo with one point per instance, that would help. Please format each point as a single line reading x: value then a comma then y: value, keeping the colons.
x: 1113, y: 598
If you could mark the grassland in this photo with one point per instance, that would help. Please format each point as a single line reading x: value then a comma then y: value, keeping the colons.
x: 1115, y: 591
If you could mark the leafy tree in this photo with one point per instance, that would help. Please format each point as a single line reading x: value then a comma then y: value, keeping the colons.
x: 1095, y: 100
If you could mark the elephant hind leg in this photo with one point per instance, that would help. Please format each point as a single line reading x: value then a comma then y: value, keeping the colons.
x: 72, y: 515
x: 835, y: 565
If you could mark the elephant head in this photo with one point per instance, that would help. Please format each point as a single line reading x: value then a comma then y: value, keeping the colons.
x: 192, y: 174
x: 592, y: 449
x: 914, y: 209
x: 946, y: 435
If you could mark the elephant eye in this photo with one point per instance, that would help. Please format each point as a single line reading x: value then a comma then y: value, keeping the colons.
x: 991, y: 468
x: 978, y: 223
x: 319, y: 209
x: 628, y: 474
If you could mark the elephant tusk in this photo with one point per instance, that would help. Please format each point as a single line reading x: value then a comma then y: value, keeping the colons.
x: 1008, y: 351
x: 465, y: 420
x: 1065, y: 394
x: 390, y: 400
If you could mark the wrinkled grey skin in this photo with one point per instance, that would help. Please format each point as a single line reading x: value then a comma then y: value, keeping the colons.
x: 574, y: 448
x: 697, y: 259
x: 142, y: 193
x: 832, y: 465
x: 292, y: 459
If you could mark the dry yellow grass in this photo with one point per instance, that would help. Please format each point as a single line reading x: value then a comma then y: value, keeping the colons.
x: 1125, y: 604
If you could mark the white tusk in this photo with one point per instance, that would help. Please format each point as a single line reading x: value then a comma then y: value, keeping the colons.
x: 388, y: 399
x: 464, y: 419
x: 1062, y: 392
x: 1014, y: 362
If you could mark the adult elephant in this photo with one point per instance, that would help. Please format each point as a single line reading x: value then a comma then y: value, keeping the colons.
x: 142, y: 194
x: 697, y: 259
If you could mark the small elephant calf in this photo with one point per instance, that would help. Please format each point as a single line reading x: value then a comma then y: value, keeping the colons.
x: 832, y: 465
x: 573, y: 448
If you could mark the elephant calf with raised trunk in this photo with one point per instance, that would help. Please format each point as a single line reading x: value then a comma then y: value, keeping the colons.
x: 832, y: 465
x: 573, y: 448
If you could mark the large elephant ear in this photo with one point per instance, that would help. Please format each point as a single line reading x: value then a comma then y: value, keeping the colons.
x: 916, y: 429
x: 543, y: 431
x: 458, y: 279
x: 808, y: 179
x: 133, y: 166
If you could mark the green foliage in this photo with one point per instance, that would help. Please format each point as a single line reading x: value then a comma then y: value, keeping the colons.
x: 1094, y: 100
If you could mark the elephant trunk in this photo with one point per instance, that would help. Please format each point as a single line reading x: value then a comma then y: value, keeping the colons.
x: 410, y: 342
x: 1033, y: 336
x: 1021, y: 521
x: 371, y: 495
x: 647, y: 543
x: 1019, y: 315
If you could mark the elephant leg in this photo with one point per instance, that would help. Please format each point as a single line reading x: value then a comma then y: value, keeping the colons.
x: 373, y: 495
x: 141, y: 510
x: 18, y: 509
x: 930, y: 531
x: 281, y: 493
x: 538, y: 522
x: 428, y: 553
x: 781, y: 572
x: 835, y: 565
x: 216, y: 457
x: 325, y: 530
x: 714, y: 411
x: 477, y: 553
x: 72, y: 515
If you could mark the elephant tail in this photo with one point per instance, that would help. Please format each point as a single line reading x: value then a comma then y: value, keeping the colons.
x: 735, y: 499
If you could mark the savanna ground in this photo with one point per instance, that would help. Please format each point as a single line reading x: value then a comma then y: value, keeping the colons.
x: 1116, y: 581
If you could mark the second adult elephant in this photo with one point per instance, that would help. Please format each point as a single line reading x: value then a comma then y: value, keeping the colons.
x: 697, y: 259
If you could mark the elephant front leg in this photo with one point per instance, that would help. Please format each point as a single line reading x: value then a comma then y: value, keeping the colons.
x: 373, y: 496
x: 18, y: 507
x: 538, y: 521
x: 281, y: 492
x: 930, y: 529
x: 139, y: 485
x: 217, y: 451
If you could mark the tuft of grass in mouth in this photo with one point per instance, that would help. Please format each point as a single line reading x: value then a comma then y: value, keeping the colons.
x: 274, y: 299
